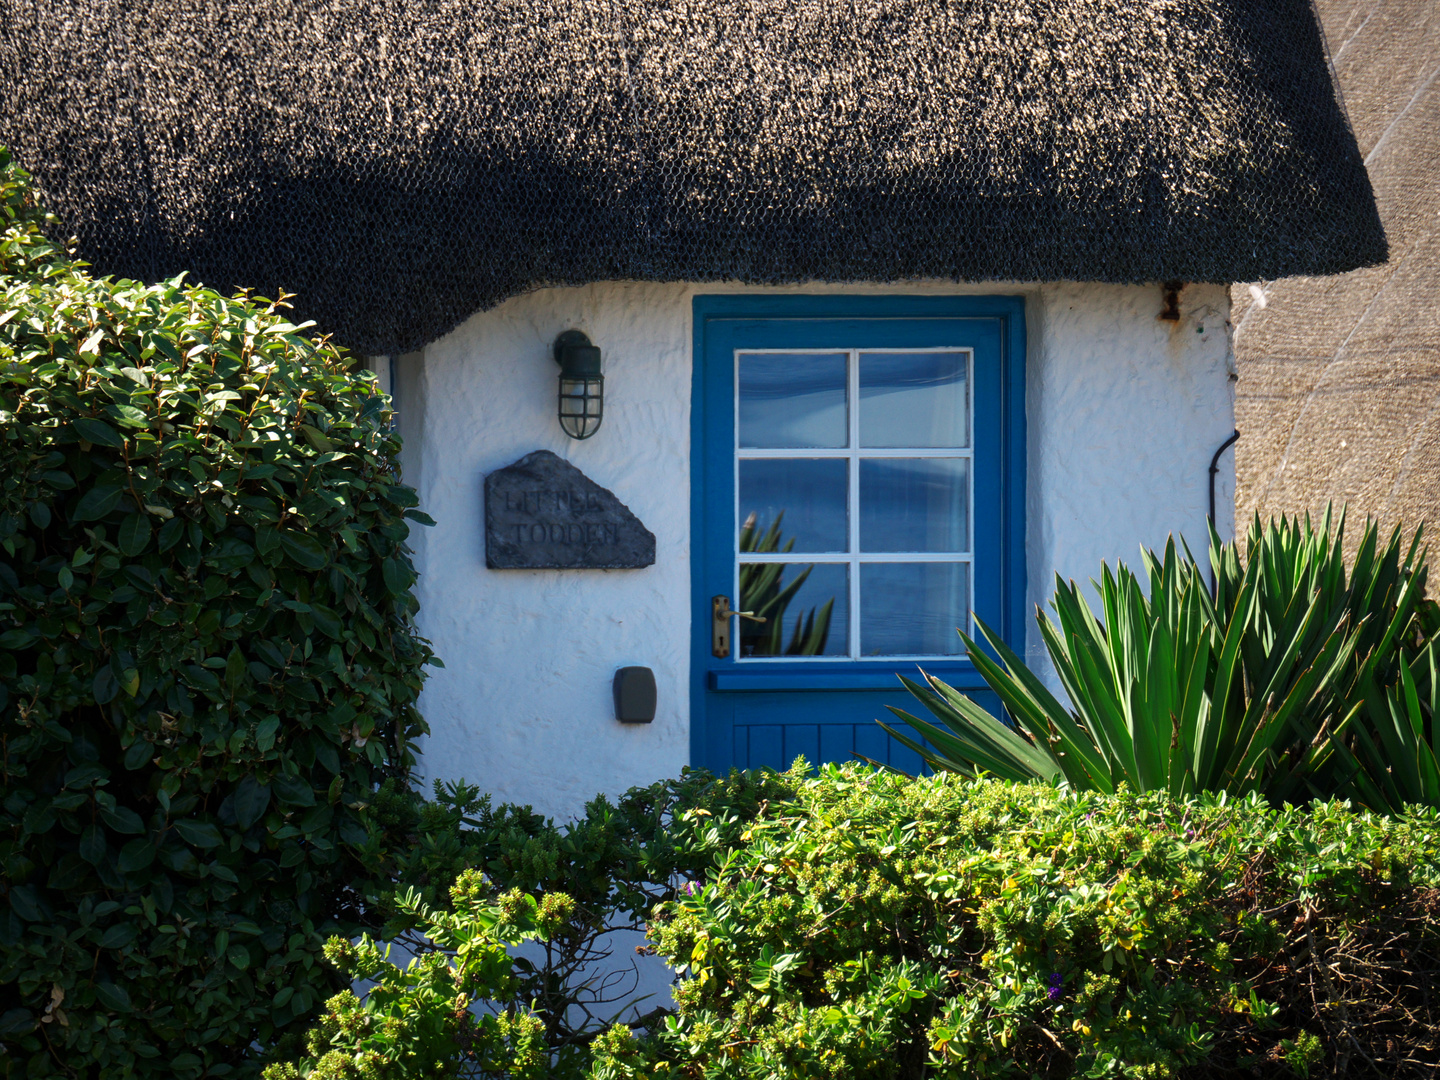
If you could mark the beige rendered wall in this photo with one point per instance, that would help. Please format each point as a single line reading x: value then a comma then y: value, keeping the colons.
x: 1339, y: 391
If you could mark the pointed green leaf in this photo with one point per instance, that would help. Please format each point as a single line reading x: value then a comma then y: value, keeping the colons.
x: 134, y: 534
x: 98, y: 432
x: 250, y: 801
x: 398, y: 576
x: 200, y: 834
x: 97, y: 503
x: 304, y: 550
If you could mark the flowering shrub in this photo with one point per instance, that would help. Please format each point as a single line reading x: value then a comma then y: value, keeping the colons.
x: 880, y: 927
x: 417, y: 1021
x: 863, y: 925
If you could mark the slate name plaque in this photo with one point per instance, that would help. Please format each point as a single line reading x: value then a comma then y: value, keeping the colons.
x: 542, y: 513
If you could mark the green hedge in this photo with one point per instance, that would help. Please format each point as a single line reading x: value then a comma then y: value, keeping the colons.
x: 208, y: 668
x: 881, y: 927
x: 860, y: 924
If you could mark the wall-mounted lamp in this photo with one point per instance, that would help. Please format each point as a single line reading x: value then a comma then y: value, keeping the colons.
x: 582, y: 387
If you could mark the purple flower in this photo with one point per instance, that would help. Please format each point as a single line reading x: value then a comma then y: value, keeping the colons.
x: 690, y: 888
x: 1055, y: 989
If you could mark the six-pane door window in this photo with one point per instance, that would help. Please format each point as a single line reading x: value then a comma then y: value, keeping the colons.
x: 853, y: 502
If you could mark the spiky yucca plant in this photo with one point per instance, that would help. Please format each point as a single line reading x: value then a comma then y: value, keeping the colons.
x: 1290, y: 679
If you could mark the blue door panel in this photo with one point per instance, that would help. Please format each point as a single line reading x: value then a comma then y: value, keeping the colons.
x: 802, y: 740
x: 767, y: 746
x: 872, y: 742
x: 837, y: 743
x: 835, y: 727
x: 749, y: 714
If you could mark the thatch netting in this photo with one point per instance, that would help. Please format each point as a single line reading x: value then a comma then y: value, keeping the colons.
x: 400, y: 164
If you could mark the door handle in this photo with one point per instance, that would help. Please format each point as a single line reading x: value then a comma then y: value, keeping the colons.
x: 720, y: 616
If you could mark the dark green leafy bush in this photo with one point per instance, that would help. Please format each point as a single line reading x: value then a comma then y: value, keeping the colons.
x: 208, y: 665
x: 881, y: 927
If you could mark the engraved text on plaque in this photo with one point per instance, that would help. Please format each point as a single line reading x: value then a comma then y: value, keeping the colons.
x: 542, y: 513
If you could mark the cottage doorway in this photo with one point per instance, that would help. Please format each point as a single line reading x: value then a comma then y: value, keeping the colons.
x: 858, y: 486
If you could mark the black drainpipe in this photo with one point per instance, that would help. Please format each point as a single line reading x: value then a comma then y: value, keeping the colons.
x: 395, y: 406
x: 1215, y: 468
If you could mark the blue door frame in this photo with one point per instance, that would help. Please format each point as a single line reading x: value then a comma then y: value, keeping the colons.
x: 766, y: 713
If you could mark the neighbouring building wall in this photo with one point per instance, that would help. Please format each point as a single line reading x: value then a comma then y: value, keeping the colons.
x: 1339, y: 392
x: 1124, y: 412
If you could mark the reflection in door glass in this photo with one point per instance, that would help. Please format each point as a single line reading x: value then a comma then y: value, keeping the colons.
x: 830, y: 477
x: 792, y: 400
x: 913, y: 609
x: 914, y: 399
x: 804, y: 496
x: 914, y: 504
x: 805, y: 608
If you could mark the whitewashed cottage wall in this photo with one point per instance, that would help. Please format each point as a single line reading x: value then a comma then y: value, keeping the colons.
x: 1124, y: 411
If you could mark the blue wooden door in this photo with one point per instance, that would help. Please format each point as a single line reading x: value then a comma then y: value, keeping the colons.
x: 858, y: 483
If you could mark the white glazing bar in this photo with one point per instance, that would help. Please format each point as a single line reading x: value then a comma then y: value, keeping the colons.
x: 903, y: 349
x: 799, y: 557
x: 750, y: 453
x: 970, y: 517
x: 852, y: 391
x: 881, y: 658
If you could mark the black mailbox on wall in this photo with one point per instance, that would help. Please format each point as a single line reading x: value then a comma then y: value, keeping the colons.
x: 634, y: 695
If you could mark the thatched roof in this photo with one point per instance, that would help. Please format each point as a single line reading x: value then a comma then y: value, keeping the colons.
x: 1339, y: 392
x: 400, y: 164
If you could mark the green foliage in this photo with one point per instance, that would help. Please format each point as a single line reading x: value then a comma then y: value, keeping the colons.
x: 864, y: 925
x: 762, y: 595
x: 1264, y: 688
x: 1302, y: 1053
x: 453, y: 1012
x: 575, y: 888
x: 208, y: 663
x: 876, y: 926
x: 1398, y: 746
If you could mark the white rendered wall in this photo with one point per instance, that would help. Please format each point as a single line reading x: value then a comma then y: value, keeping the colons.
x: 1124, y: 411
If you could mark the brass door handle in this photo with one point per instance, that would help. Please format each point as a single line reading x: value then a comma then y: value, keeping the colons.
x: 720, y: 616
x: 724, y: 611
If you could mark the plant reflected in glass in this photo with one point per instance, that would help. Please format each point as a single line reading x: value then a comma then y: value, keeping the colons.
x: 765, y: 592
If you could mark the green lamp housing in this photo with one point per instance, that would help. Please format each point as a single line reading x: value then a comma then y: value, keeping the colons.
x: 582, y: 386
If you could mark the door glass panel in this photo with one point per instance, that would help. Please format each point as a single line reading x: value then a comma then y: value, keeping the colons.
x: 888, y: 476
x: 915, y: 504
x: 801, y: 499
x: 914, y: 399
x: 910, y: 609
x: 806, y: 608
x: 792, y: 400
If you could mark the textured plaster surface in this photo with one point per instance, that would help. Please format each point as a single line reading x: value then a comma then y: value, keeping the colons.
x: 1124, y: 411
x: 1339, y: 392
